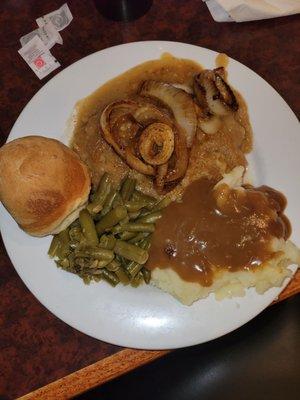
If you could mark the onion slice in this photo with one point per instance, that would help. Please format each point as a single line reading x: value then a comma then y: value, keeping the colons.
x: 148, y: 139
x: 156, y: 143
x: 180, y: 158
x: 134, y: 162
x: 110, y: 115
x: 213, y: 94
x: 180, y: 103
x: 161, y: 173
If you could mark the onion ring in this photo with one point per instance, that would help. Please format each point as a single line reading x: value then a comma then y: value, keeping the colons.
x: 156, y: 143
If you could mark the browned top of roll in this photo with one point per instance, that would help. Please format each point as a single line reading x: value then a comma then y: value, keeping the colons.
x: 43, y: 184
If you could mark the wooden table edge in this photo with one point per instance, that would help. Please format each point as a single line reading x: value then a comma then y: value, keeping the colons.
x: 115, y: 365
x: 94, y: 374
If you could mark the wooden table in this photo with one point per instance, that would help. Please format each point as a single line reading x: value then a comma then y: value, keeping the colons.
x: 36, y: 347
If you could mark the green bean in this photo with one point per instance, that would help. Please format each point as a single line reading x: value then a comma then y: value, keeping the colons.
x: 103, y: 263
x: 146, y: 243
x: 111, y: 218
x: 123, y: 277
x: 86, y: 279
x: 110, y: 277
x: 107, y: 242
x: 130, y: 252
x: 123, y: 261
x: 117, y: 201
x: 133, y: 215
x: 134, y: 268
x: 137, y: 280
x: 109, y: 202
x: 57, y: 262
x: 96, y: 272
x: 150, y: 218
x: 54, y: 246
x: 129, y: 265
x: 63, y: 249
x: 75, y: 233
x: 127, y: 235
x: 104, y: 181
x: 96, y: 206
x: 142, y: 197
x: 111, y: 238
x: 138, y: 237
x: 96, y: 217
x: 93, y: 263
x: 116, y: 229
x: 161, y: 204
x: 124, y: 220
x: 146, y: 275
x: 96, y: 252
x: 137, y: 227
x: 127, y: 188
x: 144, y: 211
x: 113, y: 265
x: 82, y: 243
x: 133, y: 206
x: 101, y: 194
x: 88, y: 228
x: 64, y: 263
x: 71, y: 258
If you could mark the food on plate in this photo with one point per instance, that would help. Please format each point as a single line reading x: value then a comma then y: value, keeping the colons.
x: 147, y: 139
x: 149, y: 121
x: 165, y: 144
x: 183, y: 134
x: 213, y: 94
x: 111, y: 238
x: 226, y: 237
x: 43, y: 184
x: 178, y: 101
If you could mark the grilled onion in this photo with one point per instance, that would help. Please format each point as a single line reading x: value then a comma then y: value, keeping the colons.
x: 136, y: 163
x: 213, y: 94
x: 179, y: 102
x: 179, y: 161
x: 160, y: 178
x: 147, y: 138
x: 156, y: 143
x: 112, y: 127
x: 147, y: 113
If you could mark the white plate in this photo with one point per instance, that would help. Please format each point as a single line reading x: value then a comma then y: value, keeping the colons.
x: 148, y: 318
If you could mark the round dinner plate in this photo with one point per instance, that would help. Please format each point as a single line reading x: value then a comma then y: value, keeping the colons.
x: 147, y: 317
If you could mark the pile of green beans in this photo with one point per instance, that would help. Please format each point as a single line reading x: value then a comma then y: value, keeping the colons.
x: 111, y: 238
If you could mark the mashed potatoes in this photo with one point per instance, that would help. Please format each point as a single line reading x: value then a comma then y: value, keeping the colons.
x: 233, y: 284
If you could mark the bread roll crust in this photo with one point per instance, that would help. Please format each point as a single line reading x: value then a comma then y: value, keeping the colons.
x: 43, y: 184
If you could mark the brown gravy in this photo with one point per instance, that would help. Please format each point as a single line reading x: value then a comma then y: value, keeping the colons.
x: 222, y: 60
x: 211, y: 155
x: 211, y: 230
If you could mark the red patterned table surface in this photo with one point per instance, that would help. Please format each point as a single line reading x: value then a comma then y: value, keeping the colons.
x: 36, y: 347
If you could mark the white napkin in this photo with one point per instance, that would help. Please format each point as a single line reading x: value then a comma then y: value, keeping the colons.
x: 250, y: 10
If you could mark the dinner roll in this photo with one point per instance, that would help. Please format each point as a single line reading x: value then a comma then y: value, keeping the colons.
x: 43, y: 184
